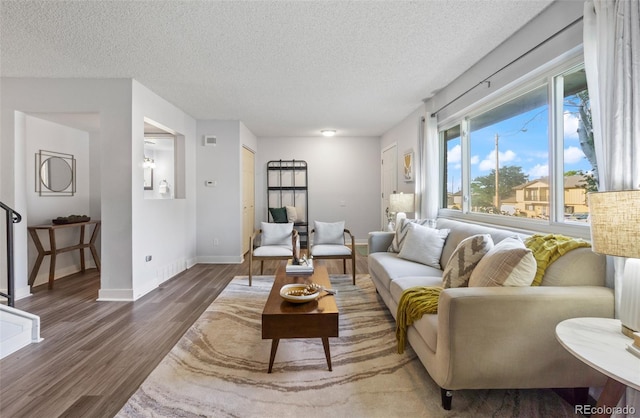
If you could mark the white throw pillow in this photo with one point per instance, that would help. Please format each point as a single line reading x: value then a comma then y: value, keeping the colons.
x: 403, y: 228
x: 328, y: 233
x: 423, y: 245
x: 464, y: 259
x: 292, y: 213
x: 508, y: 263
x: 277, y: 234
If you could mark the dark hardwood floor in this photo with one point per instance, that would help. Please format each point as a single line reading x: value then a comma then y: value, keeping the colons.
x: 96, y: 354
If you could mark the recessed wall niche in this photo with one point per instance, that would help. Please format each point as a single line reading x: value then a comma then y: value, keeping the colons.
x: 163, y: 168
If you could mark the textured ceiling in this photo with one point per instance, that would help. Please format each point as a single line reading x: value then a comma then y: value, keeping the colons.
x: 285, y: 68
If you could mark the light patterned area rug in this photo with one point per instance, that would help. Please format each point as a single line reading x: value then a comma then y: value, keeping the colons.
x: 219, y: 369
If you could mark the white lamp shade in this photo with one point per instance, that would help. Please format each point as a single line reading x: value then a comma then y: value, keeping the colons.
x: 401, y: 202
x: 615, y: 230
x: 615, y: 223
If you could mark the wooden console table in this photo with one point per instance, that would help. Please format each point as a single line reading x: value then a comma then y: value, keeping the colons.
x: 54, y: 250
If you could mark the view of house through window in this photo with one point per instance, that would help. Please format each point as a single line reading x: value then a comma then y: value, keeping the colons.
x: 510, y: 161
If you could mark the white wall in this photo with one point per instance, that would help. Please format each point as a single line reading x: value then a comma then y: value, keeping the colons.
x: 112, y: 100
x: 550, y: 21
x: 165, y: 229
x: 219, y: 208
x: 405, y: 135
x: 131, y: 227
x: 344, y: 178
x: 45, y: 135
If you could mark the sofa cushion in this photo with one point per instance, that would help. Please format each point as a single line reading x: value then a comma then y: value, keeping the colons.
x: 423, y: 245
x: 328, y: 233
x: 277, y: 234
x: 464, y: 259
x: 387, y: 267
x: 508, y: 263
x: 427, y: 326
x: 401, y: 232
x: 579, y: 267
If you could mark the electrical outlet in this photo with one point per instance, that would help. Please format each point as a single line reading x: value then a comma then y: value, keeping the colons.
x: 216, y: 241
x: 148, y: 258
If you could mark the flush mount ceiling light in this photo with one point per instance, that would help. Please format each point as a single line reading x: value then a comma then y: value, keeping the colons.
x: 328, y: 132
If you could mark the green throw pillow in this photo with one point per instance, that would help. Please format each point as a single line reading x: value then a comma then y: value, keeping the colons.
x: 279, y: 215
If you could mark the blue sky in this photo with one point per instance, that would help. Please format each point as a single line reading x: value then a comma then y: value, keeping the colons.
x: 523, y: 141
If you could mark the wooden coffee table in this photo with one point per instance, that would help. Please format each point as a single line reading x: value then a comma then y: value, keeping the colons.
x: 315, y: 319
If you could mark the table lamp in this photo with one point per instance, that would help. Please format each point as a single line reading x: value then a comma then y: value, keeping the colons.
x: 400, y: 203
x: 615, y: 230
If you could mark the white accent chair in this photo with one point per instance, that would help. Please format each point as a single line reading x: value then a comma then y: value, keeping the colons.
x: 328, y: 240
x: 275, y: 241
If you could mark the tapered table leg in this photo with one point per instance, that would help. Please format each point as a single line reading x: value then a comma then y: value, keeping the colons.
x: 274, y: 348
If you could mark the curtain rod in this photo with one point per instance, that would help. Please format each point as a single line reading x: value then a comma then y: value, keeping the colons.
x: 488, y: 82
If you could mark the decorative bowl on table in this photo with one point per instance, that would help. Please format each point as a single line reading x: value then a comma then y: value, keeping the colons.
x: 71, y: 219
x: 299, y: 292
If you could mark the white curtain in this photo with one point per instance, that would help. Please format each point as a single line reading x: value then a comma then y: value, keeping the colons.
x: 428, y: 187
x: 612, y: 63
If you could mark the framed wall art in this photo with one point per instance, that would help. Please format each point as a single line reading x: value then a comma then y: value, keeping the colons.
x: 409, y: 172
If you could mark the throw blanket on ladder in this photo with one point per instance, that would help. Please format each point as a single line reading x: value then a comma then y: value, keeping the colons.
x: 548, y: 248
x: 414, y: 303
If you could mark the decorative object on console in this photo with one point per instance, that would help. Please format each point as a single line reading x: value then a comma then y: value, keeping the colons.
x: 163, y: 187
x: 55, y: 173
x: 615, y: 231
x: 71, y: 219
x: 400, y: 203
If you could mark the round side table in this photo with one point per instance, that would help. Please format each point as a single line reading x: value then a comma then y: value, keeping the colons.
x: 599, y: 343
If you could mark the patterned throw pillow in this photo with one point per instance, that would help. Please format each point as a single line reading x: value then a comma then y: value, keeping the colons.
x: 401, y: 232
x: 464, y: 259
x: 508, y: 263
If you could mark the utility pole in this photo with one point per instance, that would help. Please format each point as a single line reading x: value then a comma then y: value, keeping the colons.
x: 497, y: 196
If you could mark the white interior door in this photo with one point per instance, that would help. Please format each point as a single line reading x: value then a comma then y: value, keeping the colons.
x: 248, y: 197
x: 389, y: 179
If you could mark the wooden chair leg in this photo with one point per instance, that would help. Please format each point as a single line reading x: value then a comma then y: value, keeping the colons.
x: 353, y: 266
x: 250, y: 267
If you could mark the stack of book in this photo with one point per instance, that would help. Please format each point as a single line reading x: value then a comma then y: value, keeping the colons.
x: 304, y: 267
x: 634, y: 347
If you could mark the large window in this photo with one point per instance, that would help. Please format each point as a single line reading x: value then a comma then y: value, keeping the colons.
x: 453, y: 168
x: 529, y: 155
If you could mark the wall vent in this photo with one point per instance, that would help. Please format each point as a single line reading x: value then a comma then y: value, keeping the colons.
x: 210, y: 140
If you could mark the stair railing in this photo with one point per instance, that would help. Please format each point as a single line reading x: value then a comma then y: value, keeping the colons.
x: 12, y: 217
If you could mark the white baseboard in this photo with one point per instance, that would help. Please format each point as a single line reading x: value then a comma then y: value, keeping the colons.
x: 115, y: 295
x: 213, y: 259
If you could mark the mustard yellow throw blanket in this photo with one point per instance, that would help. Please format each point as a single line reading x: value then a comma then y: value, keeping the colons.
x: 414, y: 303
x: 548, y: 248
x: 420, y: 300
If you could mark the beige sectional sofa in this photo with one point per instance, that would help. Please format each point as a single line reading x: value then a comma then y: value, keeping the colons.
x: 496, y: 337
